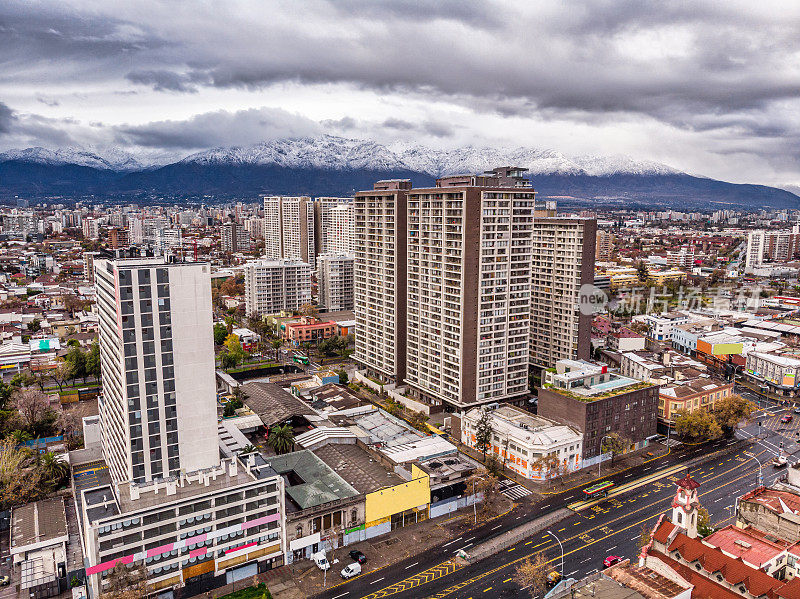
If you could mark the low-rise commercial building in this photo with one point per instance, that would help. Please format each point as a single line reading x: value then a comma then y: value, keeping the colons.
x: 781, y: 374
x: 699, y: 393
x: 308, y: 330
x: 521, y: 440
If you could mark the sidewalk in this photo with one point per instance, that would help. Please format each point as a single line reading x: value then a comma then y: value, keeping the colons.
x: 382, y: 552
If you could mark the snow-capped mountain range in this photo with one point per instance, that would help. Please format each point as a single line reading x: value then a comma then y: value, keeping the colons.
x: 337, y: 153
x: 329, y: 165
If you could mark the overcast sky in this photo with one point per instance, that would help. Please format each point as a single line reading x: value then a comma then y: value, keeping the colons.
x: 712, y: 88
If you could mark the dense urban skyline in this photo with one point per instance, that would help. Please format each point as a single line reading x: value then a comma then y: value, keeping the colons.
x: 712, y: 90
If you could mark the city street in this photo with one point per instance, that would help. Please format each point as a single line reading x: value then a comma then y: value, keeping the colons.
x: 611, y: 526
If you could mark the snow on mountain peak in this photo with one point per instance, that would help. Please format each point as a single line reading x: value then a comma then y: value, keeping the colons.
x: 338, y: 153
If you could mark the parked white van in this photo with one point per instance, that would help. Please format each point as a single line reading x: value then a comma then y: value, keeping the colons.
x: 351, y: 570
x: 321, y: 561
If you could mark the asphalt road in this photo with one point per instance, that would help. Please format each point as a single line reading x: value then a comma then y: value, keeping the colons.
x: 611, y: 526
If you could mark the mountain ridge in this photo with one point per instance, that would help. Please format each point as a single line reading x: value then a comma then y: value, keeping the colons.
x: 326, y: 165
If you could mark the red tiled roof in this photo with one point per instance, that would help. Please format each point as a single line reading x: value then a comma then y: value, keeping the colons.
x: 749, y: 544
x: 664, y: 531
x: 687, y: 482
x: 714, y: 562
x: 703, y: 587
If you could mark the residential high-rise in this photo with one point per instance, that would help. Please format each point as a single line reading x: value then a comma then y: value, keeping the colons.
x: 254, y: 226
x: 229, y: 237
x: 772, y: 246
x: 563, y: 261
x: 469, y: 289
x: 117, y: 238
x: 604, y: 248
x: 334, y: 225
x: 289, y: 228
x: 157, y: 357
x: 379, y: 279
x: 91, y: 228
x: 271, y: 286
x: 167, y: 500
x: 335, y: 281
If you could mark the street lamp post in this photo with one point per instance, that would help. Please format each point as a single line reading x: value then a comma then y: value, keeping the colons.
x: 562, y: 551
x: 600, y: 457
x: 760, y: 478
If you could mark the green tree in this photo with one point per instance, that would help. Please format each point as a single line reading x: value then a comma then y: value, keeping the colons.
x: 730, y: 411
x: 19, y: 483
x: 61, y: 374
x: 394, y: 407
x: 641, y: 271
x: 343, y: 377
x: 220, y: 333
x: 699, y: 425
x: 483, y: 433
x: 227, y: 361
x: 276, y: 345
x: 54, y: 469
x: 614, y: 444
x: 704, y: 522
x: 281, y: 438
x: 35, y: 325
x: 93, y: 361
x: 76, y: 359
x: 235, y: 349
x: 419, y: 421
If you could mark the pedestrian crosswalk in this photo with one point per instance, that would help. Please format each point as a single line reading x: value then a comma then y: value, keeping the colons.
x: 513, y: 490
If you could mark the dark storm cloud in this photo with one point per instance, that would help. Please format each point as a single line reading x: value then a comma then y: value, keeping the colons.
x: 162, y: 80
x: 438, y: 129
x: 39, y: 38
x: 220, y: 128
x: 343, y: 124
x: 400, y: 124
x: 6, y: 116
x: 718, y: 70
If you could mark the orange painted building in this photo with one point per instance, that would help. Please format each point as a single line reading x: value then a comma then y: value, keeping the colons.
x: 308, y: 330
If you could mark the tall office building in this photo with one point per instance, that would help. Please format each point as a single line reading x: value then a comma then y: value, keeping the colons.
x: 469, y: 288
x: 334, y: 225
x: 289, y: 228
x: 335, y: 281
x: 272, y: 286
x: 379, y: 280
x: 157, y: 357
x: 563, y: 261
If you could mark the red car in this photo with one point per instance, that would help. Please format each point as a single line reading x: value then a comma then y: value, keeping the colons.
x: 787, y: 418
x: 611, y: 560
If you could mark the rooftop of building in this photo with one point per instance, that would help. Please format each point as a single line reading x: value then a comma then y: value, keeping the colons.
x: 710, y: 561
x: 358, y: 466
x: 38, y: 522
x: 753, y: 546
x: 694, y: 386
x: 334, y: 397
x: 778, y: 359
x: 659, y: 360
x: 526, y: 427
x: 309, y: 481
x: 775, y: 500
x: 648, y: 583
x: 273, y: 404
x: 587, y: 381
